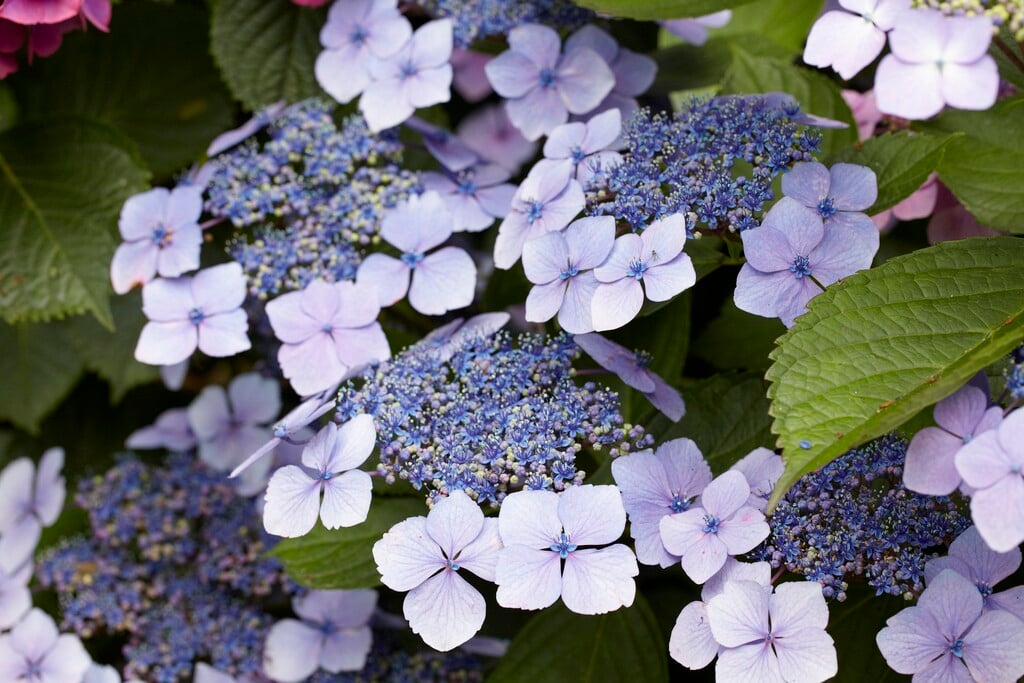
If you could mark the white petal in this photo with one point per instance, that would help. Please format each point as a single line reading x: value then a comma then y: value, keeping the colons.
x: 599, y: 581
x: 406, y: 556
x: 530, y: 518
x: 292, y: 651
x: 292, y: 503
x: 592, y: 515
x: 527, y: 578
x: 445, y: 611
x: 346, y: 499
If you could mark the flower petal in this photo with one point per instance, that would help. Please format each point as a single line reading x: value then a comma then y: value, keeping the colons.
x: 599, y: 581
x: 592, y: 515
x: 445, y: 611
x: 292, y: 651
x: 292, y: 503
x: 527, y: 578
x: 406, y: 555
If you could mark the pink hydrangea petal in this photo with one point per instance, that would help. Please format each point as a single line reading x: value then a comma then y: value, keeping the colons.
x: 844, y: 42
x: 971, y: 86
x: 911, y: 91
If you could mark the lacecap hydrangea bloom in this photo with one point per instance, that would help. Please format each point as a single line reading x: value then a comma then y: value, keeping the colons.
x: 31, y: 498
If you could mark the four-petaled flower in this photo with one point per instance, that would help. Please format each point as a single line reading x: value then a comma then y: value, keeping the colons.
x: 543, y: 530
x: 425, y: 555
x: 35, y: 652
x: 330, y: 459
x: 30, y: 500
x: 849, y: 42
x: 839, y: 195
x: 970, y: 557
x: 583, y: 148
x: 634, y: 73
x: 475, y: 195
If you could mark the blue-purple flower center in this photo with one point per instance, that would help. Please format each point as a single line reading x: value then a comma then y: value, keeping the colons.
x: 327, y: 327
x: 711, y: 524
x: 326, y: 476
x: 359, y: 35
x: 801, y: 267
x: 467, y: 186
x: 562, y: 546
x: 827, y: 207
x: 327, y: 628
x: 196, y: 316
x: 984, y: 589
x: 411, y: 259
x: 547, y: 78
x: 570, y: 271
x: 679, y: 504
x: 408, y: 69
x: 642, y: 358
x: 535, y: 211
x: 161, y: 235
x: 957, y: 648
x: 577, y: 154
x: 453, y: 565
x: 34, y: 670
x: 636, y: 269
x: 1015, y: 468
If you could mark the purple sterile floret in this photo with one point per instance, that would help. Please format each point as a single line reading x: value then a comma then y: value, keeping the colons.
x: 849, y: 41
x: 475, y: 195
x: 970, y: 557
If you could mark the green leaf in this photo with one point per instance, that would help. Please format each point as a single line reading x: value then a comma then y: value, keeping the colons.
x: 559, y: 645
x: 683, y: 66
x: 737, y: 340
x: 726, y: 415
x: 39, y: 368
x: 61, y: 189
x: 152, y: 78
x: 816, y: 93
x: 853, y: 625
x: 111, y: 355
x: 266, y: 49
x: 1009, y: 56
x: 881, y: 345
x: 902, y: 161
x: 343, y: 559
x: 784, y: 22
x: 659, y: 9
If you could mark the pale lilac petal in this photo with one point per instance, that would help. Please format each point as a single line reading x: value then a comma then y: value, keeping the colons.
x: 224, y: 334
x: 982, y: 462
x: 808, y: 182
x: 346, y: 499
x: 739, y: 614
x: 797, y: 605
x: 998, y: 512
x: 919, y: 37
x: 292, y: 651
x: 1011, y: 600
x: 617, y: 303
x: 340, y: 76
x: 311, y: 366
x: 560, y: 211
x: 985, y: 564
x: 388, y: 276
x: 704, y: 558
x: 767, y: 249
x: 726, y: 494
x: 743, y: 531
x: 66, y: 661
x: 167, y: 300
x: 445, y: 611
x: 480, y: 556
x: 134, y: 263
x: 953, y: 601
x: 595, y: 38
x: 807, y: 655
x: 575, y: 313
x: 292, y: 503
x: 290, y: 322
x: 590, y: 240
x: 634, y: 73
x: 666, y: 399
x: 18, y: 542
x: 960, y: 412
x: 467, y: 213
x: 753, y: 662
x: 530, y: 518
x: 910, y: 640
x: 544, y: 301
x: 454, y: 522
x: 142, y: 212
x: 592, y: 515
x: 254, y: 399
x: 762, y: 467
x: 430, y: 87
x: 220, y: 289
x: 356, y: 440
x: 406, y: 556
x: 971, y: 86
x: 496, y: 200
x: 432, y: 43
x: 512, y: 74
x: 930, y: 466
x: 489, y: 133
x: 546, y: 257
x: 420, y: 223
x: 802, y: 226
x: 443, y: 281
x: 565, y: 140
x: 845, y: 42
x: 617, y: 359
x: 384, y: 105
x: 15, y: 597
x: 911, y: 91
x: 691, y: 643
x: 647, y: 496
x: 664, y: 239
x: 992, y: 650
x: 527, y: 578
x: 513, y: 234
x: 346, y: 650
x: 359, y: 346
x: 838, y: 256
x: 164, y: 343
x: 734, y: 570
x: 599, y: 581
x: 540, y: 43
x: 945, y: 669
x: 583, y: 79
x: 667, y: 280
x: 538, y: 112
x: 853, y: 187
x: 344, y: 608
x: 35, y: 635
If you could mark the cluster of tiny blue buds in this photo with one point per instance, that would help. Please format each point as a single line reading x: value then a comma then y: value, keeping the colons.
x: 714, y: 161
x: 314, y: 194
x: 853, y: 518
x: 473, y: 19
x: 492, y: 418
x: 1015, y: 375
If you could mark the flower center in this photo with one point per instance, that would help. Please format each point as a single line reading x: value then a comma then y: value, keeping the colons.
x: 562, y: 546
x: 577, y: 155
x: 411, y: 259
x: 466, y: 185
x: 196, y: 316
x: 547, y: 78
x: 636, y: 269
x: 1015, y: 468
x: 327, y: 628
x: 801, y: 267
x: 984, y: 589
x: 679, y: 504
x: 957, y: 648
x: 161, y: 236
x: 326, y: 476
x: 827, y: 207
x: 711, y: 524
x: 453, y: 565
x: 642, y: 358
x: 535, y: 211
x: 570, y: 271
x: 408, y: 70
x: 359, y: 35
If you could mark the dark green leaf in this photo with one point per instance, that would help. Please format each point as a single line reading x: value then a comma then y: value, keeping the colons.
x: 61, y: 189
x: 688, y: 67
x: 1009, y: 57
x: 152, y: 78
x: 853, y: 625
x: 559, y: 645
x: 659, y: 9
x: 902, y: 161
x: 737, y: 340
x: 39, y: 368
x: 784, y: 22
x: 816, y: 94
x: 881, y: 345
x: 343, y: 559
x: 266, y: 49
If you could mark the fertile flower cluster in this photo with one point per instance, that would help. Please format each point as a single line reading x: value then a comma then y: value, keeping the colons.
x: 855, y: 518
x: 1015, y: 376
x: 174, y: 562
x: 1009, y: 13
x: 488, y: 415
x: 687, y: 163
x: 316, y: 193
x: 474, y: 19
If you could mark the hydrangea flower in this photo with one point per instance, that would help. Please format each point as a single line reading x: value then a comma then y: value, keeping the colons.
x: 201, y: 311
x: 541, y: 529
x: 849, y: 41
x: 162, y: 236
x: 692, y: 643
x: 762, y: 468
x: 35, y: 651
x: 171, y: 431
x: 937, y: 61
x: 631, y: 368
x: 947, y: 636
x: 327, y: 330
x: 582, y: 146
x: 920, y: 204
x: 766, y: 638
x: 475, y: 195
x: 470, y: 79
x: 418, y: 75
x: 229, y: 425
x: 793, y: 256
x: 293, y: 501
x: 839, y: 195
x: 424, y: 555
x: 258, y: 122
x: 970, y: 557
x: 454, y: 154
x: 30, y: 500
x: 560, y: 266
x: 28, y: 12
x: 704, y: 536
x: 441, y: 281
x: 654, y: 258
x: 993, y: 464
x: 547, y: 201
x: 15, y: 596
x: 542, y: 85
x: 634, y: 73
x: 931, y: 464
x: 657, y: 484
x: 358, y: 32
x: 300, y: 417
x: 489, y: 132
x: 865, y: 112
x: 695, y: 30
x: 331, y: 633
